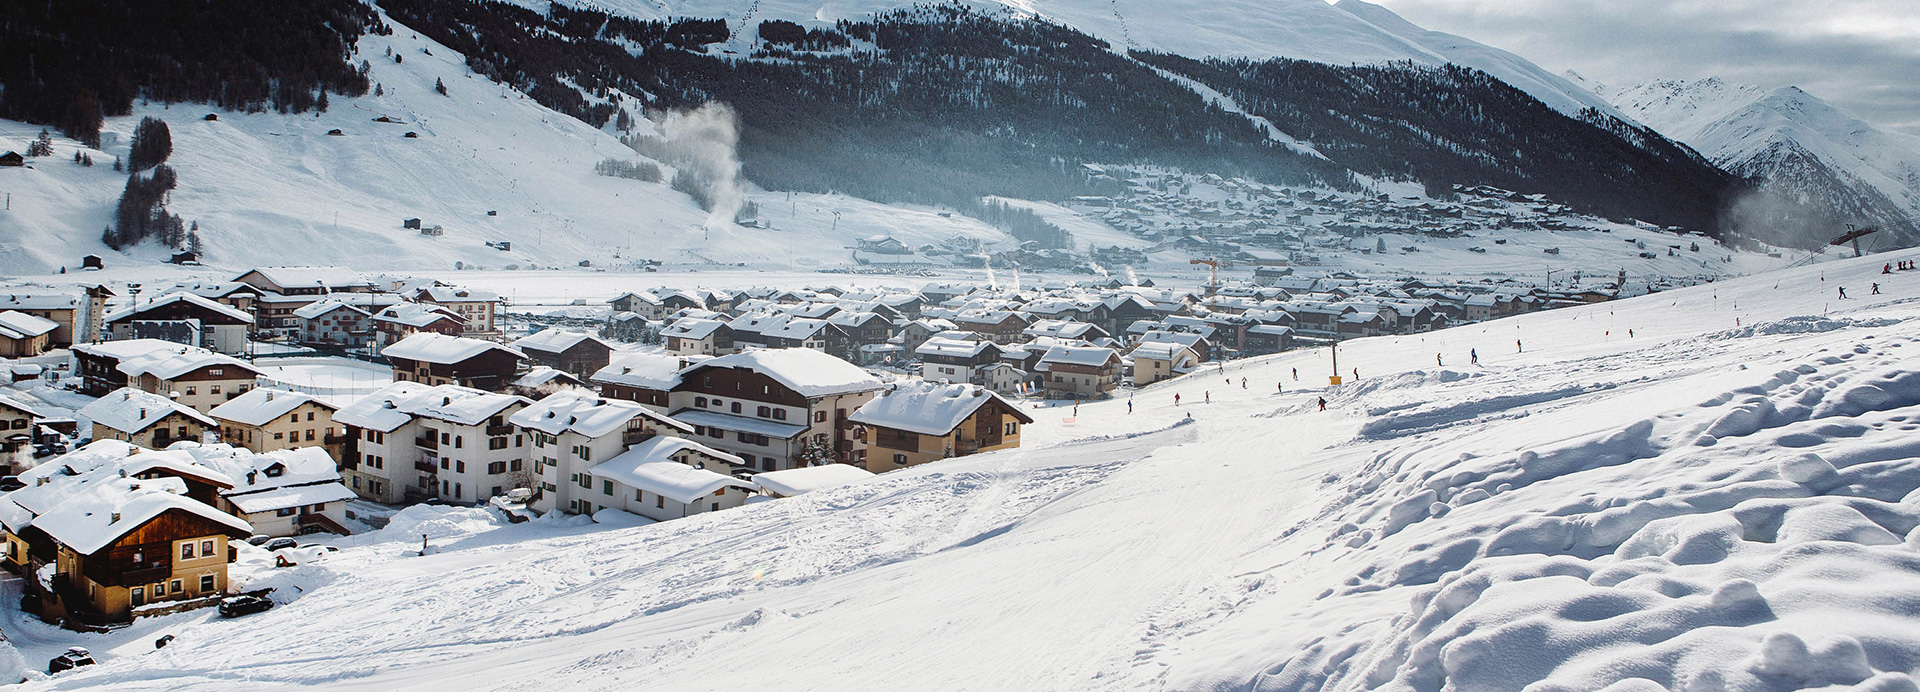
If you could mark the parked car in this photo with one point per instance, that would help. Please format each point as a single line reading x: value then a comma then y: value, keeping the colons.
x: 11, y: 483
x: 242, y: 605
x: 73, y: 658
x: 282, y: 544
x: 258, y: 539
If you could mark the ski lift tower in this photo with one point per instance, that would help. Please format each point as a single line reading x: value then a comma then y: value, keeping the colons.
x: 1853, y: 236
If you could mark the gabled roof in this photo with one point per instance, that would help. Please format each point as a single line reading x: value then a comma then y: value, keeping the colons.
x: 264, y: 404
x: 587, y: 414
x: 649, y: 467
x: 207, y: 304
x: 643, y: 370
x: 1160, y: 350
x: 40, y: 301
x: 445, y: 350
x: 417, y: 315
x: 18, y: 405
x: 809, y: 372
x: 960, y: 348
x: 1078, y: 355
x: 555, y: 340
x: 394, y: 405
x: 20, y: 325
x: 455, y: 294
x: 928, y: 408
x: 641, y: 296
x: 541, y: 375
x: 313, y: 310
x: 692, y: 328
x: 309, y: 277
x: 126, y: 348
x: 99, y: 515
x: 131, y: 411
x: 177, y: 360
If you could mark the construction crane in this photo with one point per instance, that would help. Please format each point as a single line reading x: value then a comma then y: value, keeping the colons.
x: 1213, y: 272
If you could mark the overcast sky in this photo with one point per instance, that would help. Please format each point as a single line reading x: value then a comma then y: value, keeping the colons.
x: 1861, y: 55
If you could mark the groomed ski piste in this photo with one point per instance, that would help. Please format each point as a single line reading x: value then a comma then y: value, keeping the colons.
x: 1712, y: 488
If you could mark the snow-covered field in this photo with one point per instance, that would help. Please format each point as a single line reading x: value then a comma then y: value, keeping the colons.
x: 1711, y: 488
x: 329, y: 377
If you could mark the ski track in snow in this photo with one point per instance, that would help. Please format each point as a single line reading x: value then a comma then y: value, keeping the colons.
x: 1699, y: 506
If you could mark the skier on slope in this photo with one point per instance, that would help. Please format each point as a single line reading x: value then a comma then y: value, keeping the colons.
x: 1323, y: 403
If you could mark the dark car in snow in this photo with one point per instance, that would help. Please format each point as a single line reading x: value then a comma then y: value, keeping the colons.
x: 242, y: 605
x: 73, y: 658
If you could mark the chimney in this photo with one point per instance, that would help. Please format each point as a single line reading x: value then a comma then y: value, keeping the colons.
x: 269, y: 395
x: 116, y: 518
x: 143, y: 414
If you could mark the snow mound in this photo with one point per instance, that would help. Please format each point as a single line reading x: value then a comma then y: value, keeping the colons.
x: 437, y: 522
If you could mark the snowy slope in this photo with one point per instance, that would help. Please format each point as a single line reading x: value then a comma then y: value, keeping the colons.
x: 1723, y: 498
x: 1787, y: 136
x: 1347, y: 32
x: 272, y: 189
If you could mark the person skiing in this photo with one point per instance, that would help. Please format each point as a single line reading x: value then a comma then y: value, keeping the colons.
x: 1129, y: 407
x: 1209, y: 397
x: 1517, y: 347
x: 1876, y: 289
x: 1176, y: 400
x: 1473, y: 355
x: 1887, y: 269
x: 1280, y: 387
x: 1843, y: 293
x: 1296, y: 374
x: 1356, y: 374
x: 1437, y: 362
x: 1323, y: 403
x: 1243, y: 383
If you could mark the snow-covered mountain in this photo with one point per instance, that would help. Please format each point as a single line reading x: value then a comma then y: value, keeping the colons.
x: 1802, y: 146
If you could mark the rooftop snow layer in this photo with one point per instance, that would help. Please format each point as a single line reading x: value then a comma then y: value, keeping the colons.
x: 443, y: 349
x: 809, y: 372
x: 642, y: 469
x: 555, y: 340
x: 928, y: 408
x: 587, y: 414
x: 97, y: 516
x: 20, y: 325
x: 396, y: 404
x: 132, y: 411
x: 262, y: 405
x: 645, y: 370
x: 209, y: 305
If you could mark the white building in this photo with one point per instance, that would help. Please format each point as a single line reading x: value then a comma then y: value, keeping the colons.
x: 571, y: 432
x: 415, y: 441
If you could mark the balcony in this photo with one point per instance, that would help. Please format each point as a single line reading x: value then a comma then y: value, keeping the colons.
x: 499, y: 430
x: 427, y: 442
x: 634, y: 437
x: 145, y: 574
x: 426, y: 466
x: 331, y: 440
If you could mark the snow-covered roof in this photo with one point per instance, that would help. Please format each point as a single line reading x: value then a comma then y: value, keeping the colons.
x: 209, y: 305
x: 928, y: 408
x: 807, y: 479
x: 1270, y: 329
x: 177, y: 360
x: 313, y: 310
x: 394, y: 405
x: 587, y: 414
x: 1160, y: 350
x: 130, y: 410
x: 643, y: 370
x: 541, y: 375
x: 692, y: 328
x: 417, y: 315
x: 798, y: 329
x: 809, y: 372
x: 776, y: 430
x: 40, y: 301
x: 641, y: 296
x: 1068, y: 329
x: 310, y: 277
x: 455, y: 294
x: 649, y: 467
x: 97, y: 516
x: 555, y: 340
x: 21, y: 406
x: 1078, y: 355
x: 262, y: 405
x: 443, y: 349
x: 1188, y: 339
x: 293, y: 496
x: 20, y: 325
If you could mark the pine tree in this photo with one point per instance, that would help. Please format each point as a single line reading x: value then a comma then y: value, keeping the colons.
x: 379, y: 90
x: 41, y: 145
x: 320, y: 104
x: 439, y: 86
x: 116, y: 165
x: 152, y: 144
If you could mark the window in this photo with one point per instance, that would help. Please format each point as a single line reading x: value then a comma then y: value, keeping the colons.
x: 215, y: 371
x: 700, y: 401
x: 736, y: 407
x: 819, y: 416
x: 192, y: 390
x: 215, y: 389
x: 1013, y: 428
x: 716, y: 433
x: 779, y: 414
x: 456, y: 441
x: 459, y: 467
x: 639, y: 495
x: 186, y: 550
x: 288, y: 511
x: 497, y: 468
x: 497, y: 443
x: 766, y: 463
x: 309, y: 434
x: 356, y: 482
x: 586, y: 481
x: 206, y: 583
x: 764, y: 412
x: 309, y: 415
x: 139, y: 595
x: 456, y: 491
x: 206, y: 548
x: 900, y: 459
x: 177, y: 586
x: 278, y: 436
x: 606, y: 487
x: 518, y: 441
x: 515, y: 464
x: 293, y: 418
x: 444, y: 463
x: 659, y: 502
